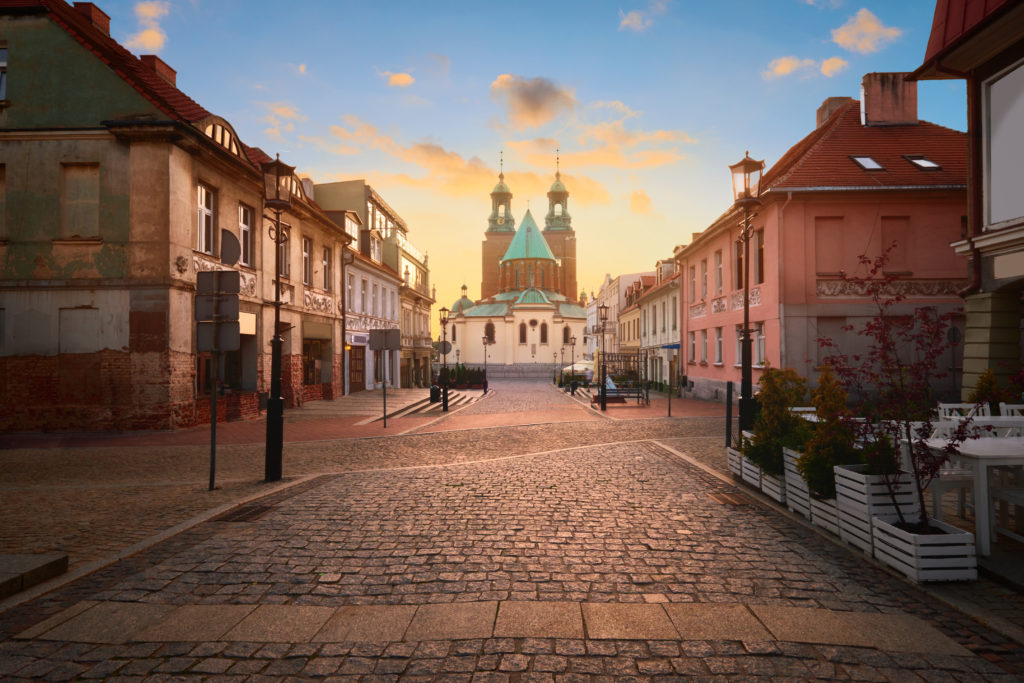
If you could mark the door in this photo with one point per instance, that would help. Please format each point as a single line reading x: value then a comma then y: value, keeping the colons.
x: 356, y: 369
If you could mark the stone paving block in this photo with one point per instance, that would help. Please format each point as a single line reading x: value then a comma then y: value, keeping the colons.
x: 633, y: 621
x: 196, y: 623
x: 281, y: 624
x: 712, y: 621
x: 109, y: 622
x: 19, y: 572
x: 56, y: 620
x: 367, y: 624
x: 539, y: 620
x: 808, y: 625
x: 453, y: 621
x: 906, y: 633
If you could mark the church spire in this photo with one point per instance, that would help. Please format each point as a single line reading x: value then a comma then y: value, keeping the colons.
x: 501, y: 219
x: 558, y: 201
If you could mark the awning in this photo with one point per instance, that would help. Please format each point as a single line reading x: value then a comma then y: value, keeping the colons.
x: 670, y: 346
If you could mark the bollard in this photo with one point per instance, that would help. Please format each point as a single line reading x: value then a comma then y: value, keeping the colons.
x: 728, y: 414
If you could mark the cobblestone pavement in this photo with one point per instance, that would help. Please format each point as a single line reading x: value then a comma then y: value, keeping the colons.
x: 584, y: 512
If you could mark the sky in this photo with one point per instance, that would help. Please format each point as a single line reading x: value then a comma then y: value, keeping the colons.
x: 647, y: 102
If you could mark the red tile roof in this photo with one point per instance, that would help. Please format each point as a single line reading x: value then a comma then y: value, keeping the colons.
x: 955, y: 19
x: 822, y: 159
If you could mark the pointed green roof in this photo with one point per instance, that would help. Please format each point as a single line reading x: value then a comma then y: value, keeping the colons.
x: 528, y: 243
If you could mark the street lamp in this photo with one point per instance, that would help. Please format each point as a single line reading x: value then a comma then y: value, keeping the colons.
x: 572, y: 363
x: 444, y: 365
x: 486, y: 343
x: 746, y: 187
x: 277, y: 188
x: 602, y: 315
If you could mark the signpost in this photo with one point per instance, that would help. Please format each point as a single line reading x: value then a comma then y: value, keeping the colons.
x: 216, y: 314
x: 385, y: 340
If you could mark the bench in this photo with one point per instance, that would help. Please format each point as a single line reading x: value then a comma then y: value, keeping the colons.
x: 620, y: 394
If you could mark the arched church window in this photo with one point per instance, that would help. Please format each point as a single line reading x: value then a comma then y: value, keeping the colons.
x: 529, y: 274
x: 522, y: 333
x: 518, y: 273
x: 543, y: 333
x: 489, y: 332
x: 453, y: 332
x: 501, y: 210
x: 558, y: 209
x: 541, y: 278
x: 565, y: 334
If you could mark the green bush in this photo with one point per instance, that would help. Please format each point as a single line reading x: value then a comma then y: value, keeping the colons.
x: 832, y: 440
x: 776, y: 427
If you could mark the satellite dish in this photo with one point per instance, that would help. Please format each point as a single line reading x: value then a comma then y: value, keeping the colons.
x: 230, y: 249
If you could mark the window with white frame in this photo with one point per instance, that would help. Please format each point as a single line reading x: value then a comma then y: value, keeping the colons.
x: 654, y: 319
x: 737, y: 265
x: 718, y: 346
x: 245, y: 214
x: 1003, y: 114
x: 643, y: 328
x: 394, y: 305
x: 693, y: 347
x: 376, y: 296
x: 719, y: 283
x: 704, y: 279
x: 206, y: 204
x: 326, y: 265
x: 80, y: 200
x: 285, y: 267
x: 759, y: 258
x: 663, y: 316
x: 307, y: 261
x: 350, y: 294
x: 375, y: 249
x: 759, y: 353
x: 362, y: 297
x: 693, y: 284
x: 675, y: 313
x: 703, y: 346
x: 738, y: 358
x: 352, y: 228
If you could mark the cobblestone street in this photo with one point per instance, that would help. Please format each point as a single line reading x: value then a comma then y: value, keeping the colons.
x: 578, y: 548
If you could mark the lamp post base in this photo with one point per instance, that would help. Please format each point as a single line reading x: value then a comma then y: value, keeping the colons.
x: 275, y: 439
x: 748, y: 411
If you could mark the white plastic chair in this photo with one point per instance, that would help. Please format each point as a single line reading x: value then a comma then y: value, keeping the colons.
x: 951, y: 410
x: 1011, y: 409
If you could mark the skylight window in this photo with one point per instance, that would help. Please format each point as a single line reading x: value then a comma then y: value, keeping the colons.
x: 867, y: 163
x: 923, y: 163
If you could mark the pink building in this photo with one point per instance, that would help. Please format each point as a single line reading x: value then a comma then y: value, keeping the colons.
x: 871, y: 174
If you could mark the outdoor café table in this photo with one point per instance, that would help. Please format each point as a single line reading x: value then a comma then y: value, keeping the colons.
x: 981, y: 454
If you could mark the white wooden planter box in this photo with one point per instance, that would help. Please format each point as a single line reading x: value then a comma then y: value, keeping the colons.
x: 825, y: 514
x: 751, y: 473
x: 773, y: 487
x: 735, y: 460
x: 798, y: 497
x: 861, y: 496
x: 937, y: 557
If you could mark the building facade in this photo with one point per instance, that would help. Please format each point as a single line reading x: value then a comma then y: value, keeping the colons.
x: 871, y: 177
x: 118, y: 189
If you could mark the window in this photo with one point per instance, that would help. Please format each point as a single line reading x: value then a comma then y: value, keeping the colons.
x: 454, y: 327
x: 867, y: 163
x: 394, y: 305
x: 704, y: 279
x: 738, y: 359
x: 828, y: 244
x: 3, y: 206
x: 352, y: 228
x: 693, y: 284
x: 326, y: 263
x: 282, y: 248
x: 362, y: 297
x: 643, y: 327
x: 703, y: 346
x: 489, y: 332
x: 312, y: 352
x: 1003, y: 113
x: 245, y: 233
x: 350, y: 294
x: 737, y: 265
x: 923, y: 163
x: 80, y: 200
x: 693, y: 347
x: 675, y: 313
x: 759, y: 355
x: 375, y: 249
x: 543, y: 333
x: 565, y: 333
x: 718, y: 346
x: 376, y: 299
x: 3, y: 73
x: 522, y: 333
x: 759, y: 258
x: 307, y: 265
x: 654, y: 319
x: 718, y: 272
x: 205, y: 243
x: 663, y: 316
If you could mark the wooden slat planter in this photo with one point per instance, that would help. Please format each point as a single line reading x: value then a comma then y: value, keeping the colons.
x: 773, y: 487
x: 751, y: 473
x: 938, y: 557
x: 735, y: 460
x: 825, y: 514
x: 797, y: 495
x: 861, y: 496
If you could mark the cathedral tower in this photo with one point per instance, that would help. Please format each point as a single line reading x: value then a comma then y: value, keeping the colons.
x: 500, y: 231
x: 559, y: 233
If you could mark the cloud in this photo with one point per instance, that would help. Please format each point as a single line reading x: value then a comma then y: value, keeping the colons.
x: 302, y: 68
x: 150, y: 38
x: 833, y: 4
x: 398, y: 80
x: 531, y: 102
x: 640, y: 203
x: 639, y: 21
x: 864, y: 33
x: 784, y: 66
x: 833, y: 65
x: 280, y: 119
x: 440, y: 64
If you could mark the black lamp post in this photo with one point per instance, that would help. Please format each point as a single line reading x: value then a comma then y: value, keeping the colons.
x: 746, y: 185
x: 572, y: 362
x: 602, y: 315
x: 561, y: 363
x: 277, y: 187
x: 486, y: 343
x: 444, y: 363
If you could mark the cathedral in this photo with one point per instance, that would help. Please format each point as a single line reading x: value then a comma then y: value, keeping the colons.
x: 528, y: 310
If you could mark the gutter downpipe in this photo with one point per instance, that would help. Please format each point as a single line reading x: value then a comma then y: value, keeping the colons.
x: 782, y: 232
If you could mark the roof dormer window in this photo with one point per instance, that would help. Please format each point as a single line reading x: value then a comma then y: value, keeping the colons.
x: 867, y: 163
x: 922, y: 162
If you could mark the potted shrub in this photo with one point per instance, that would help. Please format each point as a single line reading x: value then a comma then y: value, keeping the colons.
x: 882, y: 506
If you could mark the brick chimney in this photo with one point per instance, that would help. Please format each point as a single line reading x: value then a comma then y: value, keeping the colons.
x: 829, y: 106
x: 95, y: 15
x: 888, y: 100
x: 160, y: 68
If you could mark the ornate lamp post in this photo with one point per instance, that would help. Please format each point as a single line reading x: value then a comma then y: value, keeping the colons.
x: 602, y: 315
x: 746, y: 186
x: 277, y: 187
x: 486, y: 343
x: 572, y: 362
x: 444, y: 363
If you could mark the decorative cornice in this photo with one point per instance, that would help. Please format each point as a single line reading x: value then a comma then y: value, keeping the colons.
x: 755, y: 298
x: 247, y: 284
x: 317, y: 302
x: 848, y: 288
x: 698, y: 310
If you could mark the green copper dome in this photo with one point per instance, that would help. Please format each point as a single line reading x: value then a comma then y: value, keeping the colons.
x: 501, y: 187
x: 558, y: 186
x: 528, y: 243
x: 532, y: 296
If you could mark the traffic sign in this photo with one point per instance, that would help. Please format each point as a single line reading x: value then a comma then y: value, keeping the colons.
x: 226, y: 307
x: 444, y: 348
x: 217, y: 336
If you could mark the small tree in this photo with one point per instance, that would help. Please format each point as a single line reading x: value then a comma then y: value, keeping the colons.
x: 891, y: 384
x: 832, y: 440
x: 776, y: 426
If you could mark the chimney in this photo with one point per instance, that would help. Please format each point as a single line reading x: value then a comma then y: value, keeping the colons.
x: 888, y: 100
x: 829, y: 106
x: 95, y: 15
x: 160, y: 68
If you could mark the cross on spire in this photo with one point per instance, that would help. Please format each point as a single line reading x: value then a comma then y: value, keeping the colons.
x: 501, y: 164
x: 558, y: 172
